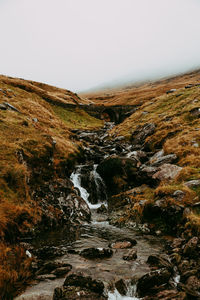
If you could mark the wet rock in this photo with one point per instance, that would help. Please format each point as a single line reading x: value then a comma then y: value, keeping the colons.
x: 158, y: 160
x: 118, y: 173
x: 75, y: 207
x: 85, y: 283
x: 190, y: 248
x: 187, y: 274
x: 161, y: 213
x: 141, y: 133
x: 148, y: 282
x: 123, y: 243
x: 121, y: 287
x: 162, y: 260
x: 48, y: 252
x: 74, y: 293
x: 50, y: 266
x: 93, y: 253
x: 177, y: 243
x: 193, y: 283
x: 167, y: 172
x: 46, y: 277
x: 190, y: 291
x: 168, y: 295
x: 102, y: 209
x: 62, y: 271
x: 131, y: 255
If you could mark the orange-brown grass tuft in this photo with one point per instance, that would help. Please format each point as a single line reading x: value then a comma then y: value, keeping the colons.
x: 137, y: 94
x: 30, y: 139
x: 15, y: 270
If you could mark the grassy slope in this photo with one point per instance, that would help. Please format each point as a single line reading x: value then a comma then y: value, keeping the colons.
x: 177, y: 131
x: 30, y: 132
x: 139, y: 93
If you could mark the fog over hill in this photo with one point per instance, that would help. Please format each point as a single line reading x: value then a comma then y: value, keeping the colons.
x: 79, y: 45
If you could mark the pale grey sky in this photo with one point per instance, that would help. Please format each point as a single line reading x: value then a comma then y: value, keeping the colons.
x: 80, y: 44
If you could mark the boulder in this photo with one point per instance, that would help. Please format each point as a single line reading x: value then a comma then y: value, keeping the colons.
x: 94, y: 253
x: 139, y: 136
x: 162, y: 261
x: 160, y: 159
x: 62, y: 271
x: 149, y: 281
x: 87, y: 282
x: 118, y: 173
x: 123, y: 243
x: 131, y: 255
x: 168, y: 295
x: 191, y: 249
x: 167, y: 172
x: 121, y: 287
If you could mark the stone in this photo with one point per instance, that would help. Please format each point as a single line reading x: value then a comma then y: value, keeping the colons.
x: 87, y: 282
x: 166, y: 159
x: 46, y: 277
x: 190, y: 248
x: 123, y: 243
x: 139, y: 136
x: 167, y: 172
x: 153, y: 279
x: 168, y: 295
x: 94, y: 253
x: 195, y: 112
x: 102, y: 209
x: 189, y: 86
x: 48, y: 252
x: 162, y: 260
x: 121, y: 287
x: 62, y: 271
x: 118, y: 173
x: 131, y: 255
x: 11, y: 107
x: 171, y: 91
x: 3, y: 107
x: 50, y: 266
x: 192, y: 183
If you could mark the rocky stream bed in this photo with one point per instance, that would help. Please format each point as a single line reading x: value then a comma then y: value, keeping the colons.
x: 94, y: 258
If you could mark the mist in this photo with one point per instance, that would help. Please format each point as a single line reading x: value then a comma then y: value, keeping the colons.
x: 80, y: 45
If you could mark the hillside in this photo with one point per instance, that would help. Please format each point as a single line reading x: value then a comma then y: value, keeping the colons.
x: 36, y: 148
x: 169, y: 125
x: 139, y: 93
x: 149, y: 163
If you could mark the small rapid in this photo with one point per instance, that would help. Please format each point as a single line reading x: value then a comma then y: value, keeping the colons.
x: 76, y: 179
x: 98, y: 234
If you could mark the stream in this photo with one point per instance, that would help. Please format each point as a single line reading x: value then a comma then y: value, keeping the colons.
x: 97, y: 234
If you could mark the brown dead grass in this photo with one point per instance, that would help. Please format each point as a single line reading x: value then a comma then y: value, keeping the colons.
x: 26, y: 141
x: 140, y: 93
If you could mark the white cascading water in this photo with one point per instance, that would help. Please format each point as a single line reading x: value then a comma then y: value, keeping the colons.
x: 76, y: 179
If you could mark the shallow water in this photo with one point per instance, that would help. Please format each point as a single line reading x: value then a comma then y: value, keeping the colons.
x: 98, y: 234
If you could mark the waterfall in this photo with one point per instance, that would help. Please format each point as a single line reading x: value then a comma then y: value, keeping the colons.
x: 76, y: 179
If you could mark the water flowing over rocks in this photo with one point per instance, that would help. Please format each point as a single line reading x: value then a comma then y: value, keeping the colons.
x: 103, y: 261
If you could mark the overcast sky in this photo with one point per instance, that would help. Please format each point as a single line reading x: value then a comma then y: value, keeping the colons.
x: 81, y: 44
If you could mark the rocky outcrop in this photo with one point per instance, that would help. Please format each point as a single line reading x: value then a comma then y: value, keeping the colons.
x: 78, y: 286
